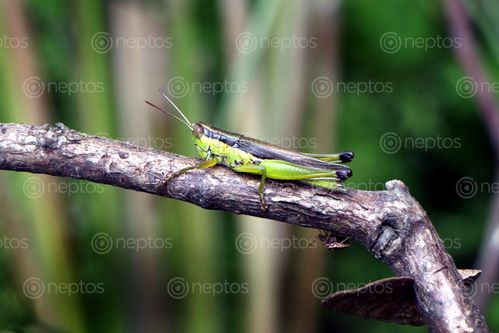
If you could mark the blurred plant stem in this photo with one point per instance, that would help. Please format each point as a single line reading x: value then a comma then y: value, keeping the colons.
x: 135, y: 77
x: 41, y: 218
x: 323, y: 22
x: 467, y: 55
x: 95, y: 115
x: 271, y: 108
x: 197, y: 234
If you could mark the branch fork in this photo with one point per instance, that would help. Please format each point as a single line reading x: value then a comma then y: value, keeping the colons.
x: 390, y: 224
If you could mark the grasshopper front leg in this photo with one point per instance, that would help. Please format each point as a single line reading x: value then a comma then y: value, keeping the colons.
x: 201, y: 165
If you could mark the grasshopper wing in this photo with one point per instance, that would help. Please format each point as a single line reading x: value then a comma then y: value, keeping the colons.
x: 265, y: 150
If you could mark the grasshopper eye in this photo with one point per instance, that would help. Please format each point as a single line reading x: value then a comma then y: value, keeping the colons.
x: 198, y: 130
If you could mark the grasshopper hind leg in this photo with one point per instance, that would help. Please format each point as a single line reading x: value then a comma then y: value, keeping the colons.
x: 330, y: 184
x: 259, y: 170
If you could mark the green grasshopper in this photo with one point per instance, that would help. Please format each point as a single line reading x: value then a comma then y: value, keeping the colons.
x: 248, y: 155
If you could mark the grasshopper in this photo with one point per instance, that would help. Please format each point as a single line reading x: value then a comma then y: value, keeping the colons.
x: 248, y: 155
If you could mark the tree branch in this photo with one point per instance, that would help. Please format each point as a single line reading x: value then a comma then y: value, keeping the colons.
x: 390, y: 224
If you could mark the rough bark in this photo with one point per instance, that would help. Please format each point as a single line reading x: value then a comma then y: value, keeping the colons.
x: 390, y: 224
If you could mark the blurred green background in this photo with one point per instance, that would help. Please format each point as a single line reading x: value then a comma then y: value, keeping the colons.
x: 377, y: 77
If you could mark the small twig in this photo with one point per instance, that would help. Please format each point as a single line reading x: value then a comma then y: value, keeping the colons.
x: 391, y: 224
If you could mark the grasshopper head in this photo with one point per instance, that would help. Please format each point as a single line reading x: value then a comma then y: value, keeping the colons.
x: 197, y: 134
x: 201, y: 139
x: 198, y: 130
x: 201, y: 132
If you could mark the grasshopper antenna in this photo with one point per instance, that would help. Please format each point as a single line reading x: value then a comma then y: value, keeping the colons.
x: 176, y: 108
x: 170, y: 114
x: 183, y: 120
